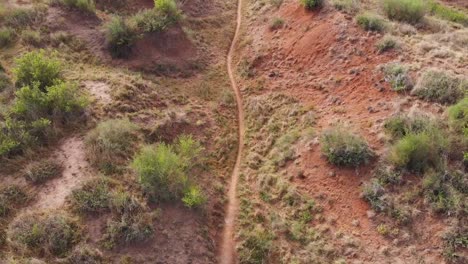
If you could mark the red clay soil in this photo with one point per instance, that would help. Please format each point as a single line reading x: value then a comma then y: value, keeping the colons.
x: 459, y: 3
x: 324, y: 60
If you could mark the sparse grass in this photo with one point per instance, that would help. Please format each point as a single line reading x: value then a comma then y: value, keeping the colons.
x: 371, y: 22
x: 256, y: 247
x: 31, y: 37
x: 11, y: 198
x: 446, y: 191
x: 410, y: 11
x: 398, y: 77
x: 400, y: 126
x: 276, y: 3
x: 110, y: 143
x: 169, y: 8
x: 5, y: 82
x: 441, y: 87
x: 347, y: 6
x: 458, y: 117
x: 43, y: 171
x: 7, y: 37
x: 88, y: 6
x: 152, y: 20
x: 312, y: 4
x: 93, y: 197
x: 163, y: 168
x: 85, y: 255
x: 53, y: 234
x: 455, y: 240
x: 419, y: 152
x: 23, y: 17
x: 120, y: 37
x: 276, y: 23
x: 37, y: 68
x: 343, y: 148
x: 387, y: 43
x: 448, y: 13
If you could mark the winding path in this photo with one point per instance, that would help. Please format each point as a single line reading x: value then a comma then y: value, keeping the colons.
x: 227, y: 253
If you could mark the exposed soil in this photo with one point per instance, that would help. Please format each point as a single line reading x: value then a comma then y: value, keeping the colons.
x: 100, y: 91
x: 76, y: 170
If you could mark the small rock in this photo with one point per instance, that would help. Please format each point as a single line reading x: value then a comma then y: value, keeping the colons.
x: 332, y: 174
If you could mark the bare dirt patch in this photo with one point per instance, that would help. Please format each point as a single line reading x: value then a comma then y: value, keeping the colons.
x: 76, y: 170
x: 100, y: 91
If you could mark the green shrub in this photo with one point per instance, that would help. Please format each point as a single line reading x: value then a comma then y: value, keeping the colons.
x: 256, y: 247
x: 411, y: 11
x: 458, y: 117
x: 276, y: 23
x: 441, y: 87
x: 11, y: 197
x: 169, y: 8
x: 7, y: 36
x: 455, y: 241
x: 371, y: 22
x: 53, y: 234
x: 110, y: 143
x: 31, y: 37
x: 162, y: 169
x: 400, y: 126
x: 374, y: 193
x: 343, y: 148
x: 446, y: 192
x: 448, y: 13
x: 24, y: 17
x: 151, y: 20
x: 82, y: 5
x: 93, y: 197
x: 386, y: 43
x: 312, y: 4
x: 43, y: 171
x: 398, y: 77
x: 419, y: 152
x: 85, y: 255
x: 120, y: 37
x: 5, y: 82
x: 193, y: 197
x: 387, y: 175
x: 60, y: 102
x: 348, y: 6
x: 37, y: 68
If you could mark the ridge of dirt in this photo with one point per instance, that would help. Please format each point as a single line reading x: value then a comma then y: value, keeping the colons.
x: 227, y: 248
x: 71, y: 154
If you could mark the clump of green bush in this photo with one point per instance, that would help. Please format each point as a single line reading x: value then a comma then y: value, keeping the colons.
x: 44, y: 234
x: 168, y: 7
x: 441, y: 87
x: 256, y: 246
x: 43, y: 171
x: 31, y: 37
x: 93, y: 197
x: 37, y: 68
x: 458, y: 117
x: 445, y: 191
x: 88, y: 6
x: 110, y: 143
x: 7, y: 36
x: 343, y: 148
x: 163, y: 170
x: 448, y: 13
x: 85, y: 255
x: 276, y: 23
x: 402, y: 125
x: 348, y: 6
x: 410, y: 11
x: 120, y: 36
x: 398, y: 77
x: 387, y: 43
x: 11, y: 197
x: 419, y: 152
x: 5, y: 82
x: 312, y: 4
x: 23, y: 17
x: 371, y: 22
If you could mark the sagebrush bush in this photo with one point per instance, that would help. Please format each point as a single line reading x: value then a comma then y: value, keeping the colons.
x: 24, y: 17
x: 387, y: 43
x: 120, y: 36
x: 151, y: 20
x: 11, y: 197
x: 110, y: 143
x: 82, y: 5
x: 85, y: 255
x: 193, y: 197
x: 169, y: 8
x: 37, y: 68
x: 419, y: 152
x: 374, y: 193
x: 7, y: 36
x: 439, y: 86
x: 312, y: 4
x: 93, y: 197
x: 410, y: 11
x: 458, y: 117
x: 5, y: 82
x: 42, y: 234
x: 343, y: 148
x: 163, y: 168
x: 445, y: 191
x: 31, y: 37
x: 448, y: 13
x: 256, y: 247
x: 398, y: 77
x: 371, y: 22
x: 43, y: 171
x: 402, y: 125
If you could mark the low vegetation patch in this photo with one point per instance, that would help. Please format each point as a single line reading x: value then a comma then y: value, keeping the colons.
x: 38, y: 68
x: 398, y: 77
x: 446, y: 191
x: 19, y: 18
x: 387, y: 43
x: 93, y: 197
x: 410, y: 11
x: 44, y: 234
x: 448, y: 13
x: 85, y: 255
x: 256, y: 247
x: 43, y: 171
x: 343, y: 148
x: 7, y: 36
x: 348, y: 6
x: 371, y: 22
x: 87, y: 6
x: 458, y: 117
x: 441, y: 87
x: 31, y: 37
x: 111, y: 143
x: 403, y: 125
x: 312, y: 4
x: 11, y: 197
x: 120, y: 36
x: 276, y: 23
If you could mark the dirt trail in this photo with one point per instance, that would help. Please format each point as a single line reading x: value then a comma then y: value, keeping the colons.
x: 227, y: 250
x: 75, y: 170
